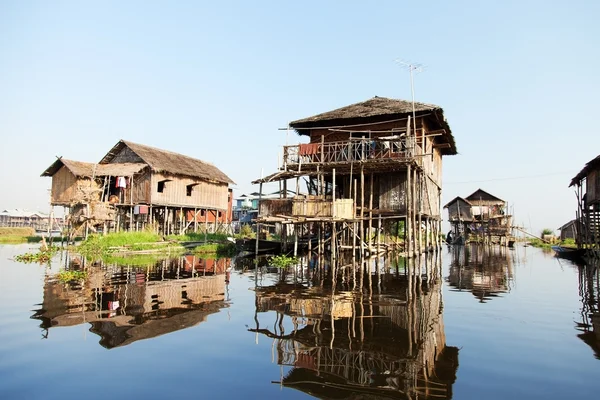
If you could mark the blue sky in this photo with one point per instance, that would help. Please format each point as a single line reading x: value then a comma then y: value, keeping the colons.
x: 215, y: 80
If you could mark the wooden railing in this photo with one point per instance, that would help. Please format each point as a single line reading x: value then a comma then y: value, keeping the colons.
x: 353, y: 150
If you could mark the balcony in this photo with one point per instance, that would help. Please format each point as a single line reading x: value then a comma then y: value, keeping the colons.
x: 351, y: 151
x: 306, y: 207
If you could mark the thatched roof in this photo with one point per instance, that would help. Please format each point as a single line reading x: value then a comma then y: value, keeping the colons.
x: 377, y: 109
x: 85, y: 169
x: 482, y: 195
x: 166, y: 161
x: 591, y: 165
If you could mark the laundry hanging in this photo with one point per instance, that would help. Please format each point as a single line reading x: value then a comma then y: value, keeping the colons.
x: 121, y: 182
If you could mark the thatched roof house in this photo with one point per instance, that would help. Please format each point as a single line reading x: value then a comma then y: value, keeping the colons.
x: 163, y: 161
x: 131, y: 175
x: 380, y: 110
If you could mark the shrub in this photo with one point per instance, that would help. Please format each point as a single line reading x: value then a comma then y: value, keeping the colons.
x: 282, y: 261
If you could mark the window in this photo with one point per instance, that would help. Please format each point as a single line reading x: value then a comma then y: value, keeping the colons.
x: 188, y: 190
x: 161, y: 187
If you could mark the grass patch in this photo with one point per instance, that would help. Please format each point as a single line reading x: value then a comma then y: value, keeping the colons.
x: 199, y: 237
x: 540, y: 244
x: 122, y: 239
x: 218, y: 249
x: 16, y: 235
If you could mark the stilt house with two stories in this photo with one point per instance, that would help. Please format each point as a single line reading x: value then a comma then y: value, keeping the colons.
x: 371, y: 168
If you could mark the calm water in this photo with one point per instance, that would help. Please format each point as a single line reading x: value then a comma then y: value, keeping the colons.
x: 473, y: 324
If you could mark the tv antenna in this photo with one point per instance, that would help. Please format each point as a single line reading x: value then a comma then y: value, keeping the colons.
x: 416, y: 67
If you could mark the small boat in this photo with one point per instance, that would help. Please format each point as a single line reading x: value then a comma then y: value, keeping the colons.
x: 264, y: 246
x: 569, y: 253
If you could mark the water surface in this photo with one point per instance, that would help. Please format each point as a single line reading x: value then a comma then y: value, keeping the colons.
x: 466, y: 323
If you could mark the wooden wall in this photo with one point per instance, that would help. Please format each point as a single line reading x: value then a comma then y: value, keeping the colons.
x: 204, y: 194
x: 392, y: 191
x: 460, y: 210
x: 142, y: 188
x: 592, y: 187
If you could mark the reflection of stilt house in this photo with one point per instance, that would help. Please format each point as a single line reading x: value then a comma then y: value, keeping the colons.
x: 124, y: 305
x: 136, y: 185
x: 367, y: 166
x: 385, y: 345
x: 487, y: 272
x: 587, y: 186
x: 481, y: 217
x: 589, y: 290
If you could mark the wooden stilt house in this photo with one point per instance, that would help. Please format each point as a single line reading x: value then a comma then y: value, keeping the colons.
x: 136, y: 185
x: 587, y: 189
x: 480, y: 217
x: 371, y: 168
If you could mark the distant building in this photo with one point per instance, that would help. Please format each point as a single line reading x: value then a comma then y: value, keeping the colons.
x: 480, y: 217
x: 24, y: 218
x: 568, y: 230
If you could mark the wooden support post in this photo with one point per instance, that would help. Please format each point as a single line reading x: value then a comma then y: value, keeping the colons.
x: 165, y: 221
x: 362, y: 210
x: 195, y: 220
x: 379, y: 234
x: 257, y: 223
x: 205, y: 225
x: 370, y: 208
x: 408, y: 226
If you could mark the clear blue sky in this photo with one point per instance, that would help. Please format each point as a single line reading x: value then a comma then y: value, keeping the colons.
x: 518, y: 82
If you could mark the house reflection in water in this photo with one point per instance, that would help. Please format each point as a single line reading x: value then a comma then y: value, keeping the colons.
x: 384, y: 341
x: 485, y: 271
x: 124, y: 304
x: 589, y: 291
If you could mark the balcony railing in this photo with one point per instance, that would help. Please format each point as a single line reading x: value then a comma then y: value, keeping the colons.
x: 353, y: 150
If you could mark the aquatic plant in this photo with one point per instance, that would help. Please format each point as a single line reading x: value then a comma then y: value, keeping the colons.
x: 282, y: 261
x: 43, y: 256
x: 69, y: 276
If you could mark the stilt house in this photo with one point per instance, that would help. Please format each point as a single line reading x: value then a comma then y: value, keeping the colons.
x: 368, y: 167
x: 480, y: 217
x: 135, y: 185
x: 587, y: 188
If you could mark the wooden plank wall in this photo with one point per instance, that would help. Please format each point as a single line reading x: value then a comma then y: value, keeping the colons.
x: 392, y: 191
x: 204, y: 194
x: 592, y: 189
x: 64, y: 186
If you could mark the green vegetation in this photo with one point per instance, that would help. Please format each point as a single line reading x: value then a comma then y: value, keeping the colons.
x: 136, y: 260
x: 246, y: 232
x: 218, y: 249
x: 70, y: 276
x: 199, y: 237
x: 547, y: 231
x: 41, y: 257
x: 15, y: 235
x: 101, y: 246
x: 539, y: 243
x: 282, y: 261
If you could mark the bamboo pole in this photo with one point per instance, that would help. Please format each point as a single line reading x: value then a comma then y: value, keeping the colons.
x: 362, y: 210
x: 408, y: 225
x: 370, y: 207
